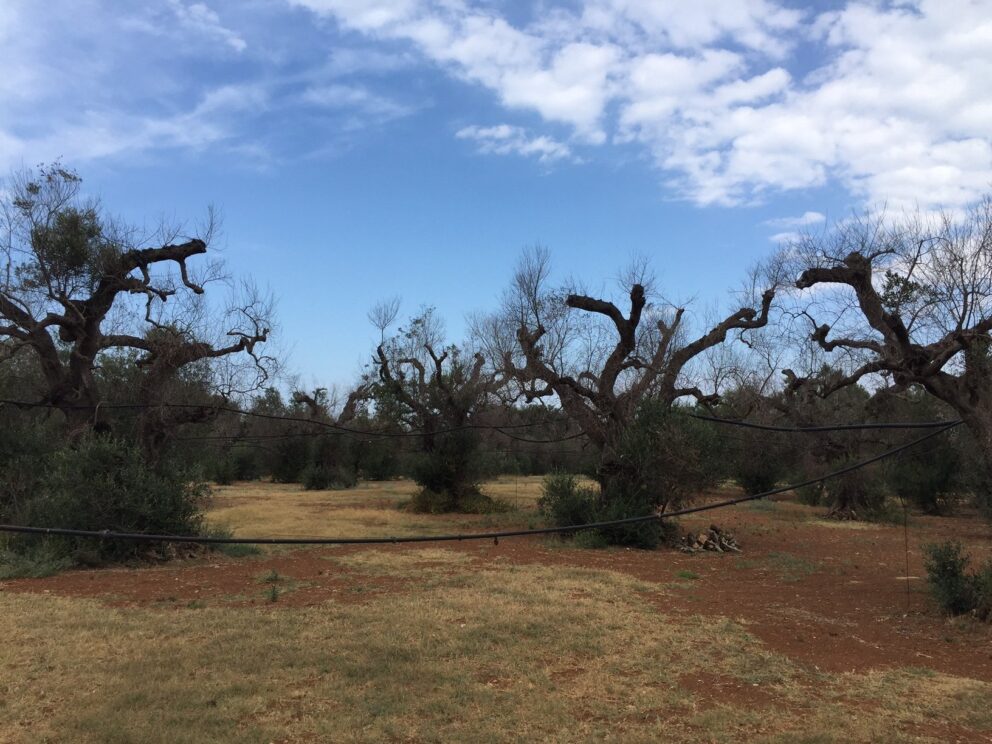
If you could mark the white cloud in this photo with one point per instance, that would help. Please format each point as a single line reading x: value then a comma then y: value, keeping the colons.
x: 804, y: 220
x: 101, y: 134
x: 355, y: 98
x: 898, y: 109
x: 504, y: 139
x: 199, y: 18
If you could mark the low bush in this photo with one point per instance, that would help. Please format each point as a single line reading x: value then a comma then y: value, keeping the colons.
x: 928, y: 477
x: 957, y: 590
x: 320, y: 477
x: 565, y: 503
x: 426, y: 501
x: 104, y: 484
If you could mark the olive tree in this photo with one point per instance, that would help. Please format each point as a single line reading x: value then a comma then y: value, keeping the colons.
x: 77, y: 284
x: 603, y: 361
x: 908, y: 301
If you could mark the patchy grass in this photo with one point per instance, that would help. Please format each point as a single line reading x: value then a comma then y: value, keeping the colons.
x: 788, y: 567
x: 497, y: 652
x: 843, y: 524
x: 40, y: 561
x: 413, y: 563
x: 369, y: 510
x: 440, y: 644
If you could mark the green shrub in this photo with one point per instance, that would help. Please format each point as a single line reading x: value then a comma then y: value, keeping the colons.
x: 104, y: 484
x: 33, y: 561
x: 811, y: 495
x: 289, y: 459
x: 564, y: 503
x: 757, y: 464
x: 320, y: 477
x: 954, y: 589
x: 663, y: 459
x: 426, y: 501
x: 646, y: 535
x: 222, y: 471
x: 928, y: 477
x: 590, y: 540
x: 449, y: 476
x: 983, y: 591
x: 25, y: 447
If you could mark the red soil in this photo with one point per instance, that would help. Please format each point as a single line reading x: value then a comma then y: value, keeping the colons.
x: 832, y: 597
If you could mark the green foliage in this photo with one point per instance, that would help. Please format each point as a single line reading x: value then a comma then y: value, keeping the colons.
x: 33, y: 561
x: 321, y: 477
x: 289, y: 460
x: 983, y: 591
x: 857, y: 495
x: 449, y: 474
x: 240, y: 463
x: 26, y: 444
x: 663, y: 459
x: 811, y: 495
x: 954, y: 589
x: 104, y: 484
x: 377, y: 460
x: 590, y: 540
x: 757, y: 464
x: 232, y: 550
x: 647, y: 534
x: 564, y: 503
x: 426, y: 501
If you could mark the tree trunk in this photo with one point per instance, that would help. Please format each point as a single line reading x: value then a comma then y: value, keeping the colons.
x: 979, y: 423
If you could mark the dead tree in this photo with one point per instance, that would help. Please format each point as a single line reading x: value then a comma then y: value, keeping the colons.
x: 600, y: 378
x: 70, y: 280
x: 438, y: 391
x: 916, y: 308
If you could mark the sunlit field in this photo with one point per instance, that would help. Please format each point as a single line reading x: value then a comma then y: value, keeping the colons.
x: 525, y: 640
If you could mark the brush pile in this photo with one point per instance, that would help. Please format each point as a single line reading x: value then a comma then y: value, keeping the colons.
x: 714, y: 539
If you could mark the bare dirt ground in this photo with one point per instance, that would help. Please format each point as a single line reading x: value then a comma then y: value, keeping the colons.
x: 835, y: 596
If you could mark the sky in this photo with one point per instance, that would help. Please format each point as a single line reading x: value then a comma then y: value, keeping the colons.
x: 360, y: 149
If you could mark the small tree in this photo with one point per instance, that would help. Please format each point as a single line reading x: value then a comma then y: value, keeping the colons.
x: 437, y: 390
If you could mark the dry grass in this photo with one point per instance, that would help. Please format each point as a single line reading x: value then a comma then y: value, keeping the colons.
x: 473, y: 653
x: 286, y: 510
x: 470, y: 649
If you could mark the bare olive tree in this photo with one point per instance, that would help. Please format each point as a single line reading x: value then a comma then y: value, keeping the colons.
x: 599, y: 361
x: 437, y: 389
x: 907, y: 300
x: 77, y: 284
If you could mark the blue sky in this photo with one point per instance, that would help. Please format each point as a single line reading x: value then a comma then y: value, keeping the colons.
x: 365, y: 148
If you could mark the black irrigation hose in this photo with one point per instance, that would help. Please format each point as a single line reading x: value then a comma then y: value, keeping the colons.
x: 106, y: 534
x: 837, y: 427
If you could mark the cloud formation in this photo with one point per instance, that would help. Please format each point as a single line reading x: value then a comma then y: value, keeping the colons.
x: 505, y: 139
x: 896, y: 108
x: 732, y: 101
x: 201, y: 19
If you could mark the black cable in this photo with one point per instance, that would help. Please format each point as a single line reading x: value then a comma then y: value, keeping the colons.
x: 819, y: 429
x: 142, y: 537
